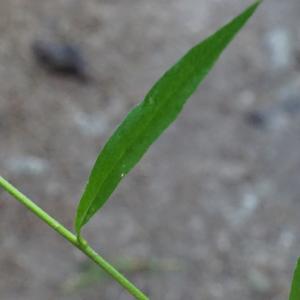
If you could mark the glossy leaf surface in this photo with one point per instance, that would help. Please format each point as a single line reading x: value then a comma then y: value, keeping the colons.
x: 145, y: 123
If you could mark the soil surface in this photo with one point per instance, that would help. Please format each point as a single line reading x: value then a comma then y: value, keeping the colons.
x: 212, y: 211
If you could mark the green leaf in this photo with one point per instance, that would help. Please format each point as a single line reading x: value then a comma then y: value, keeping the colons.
x: 295, y: 289
x: 145, y: 123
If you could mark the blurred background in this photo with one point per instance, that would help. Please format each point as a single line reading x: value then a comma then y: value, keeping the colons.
x: 212, y: 211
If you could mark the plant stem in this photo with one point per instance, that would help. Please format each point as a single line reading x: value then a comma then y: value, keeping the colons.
x: 81, y: 244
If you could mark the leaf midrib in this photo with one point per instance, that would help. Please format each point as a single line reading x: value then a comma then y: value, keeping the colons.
x: 133, y: 141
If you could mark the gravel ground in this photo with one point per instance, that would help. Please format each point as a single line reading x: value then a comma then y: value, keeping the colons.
x: 212, y: 211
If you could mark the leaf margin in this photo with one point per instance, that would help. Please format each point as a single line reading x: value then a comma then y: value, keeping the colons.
x: 85, y: 212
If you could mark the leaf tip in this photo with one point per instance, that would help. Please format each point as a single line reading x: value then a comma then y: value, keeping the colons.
x: 257, y: 3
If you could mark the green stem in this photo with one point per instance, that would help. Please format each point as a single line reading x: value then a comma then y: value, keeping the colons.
x: 81, y: 244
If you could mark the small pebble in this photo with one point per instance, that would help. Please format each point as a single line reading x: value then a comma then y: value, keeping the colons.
x: 27, y: 165
x: 62, y: 58
x: 259, y: 281
x: 257, y: 119
x: 280, y: 49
